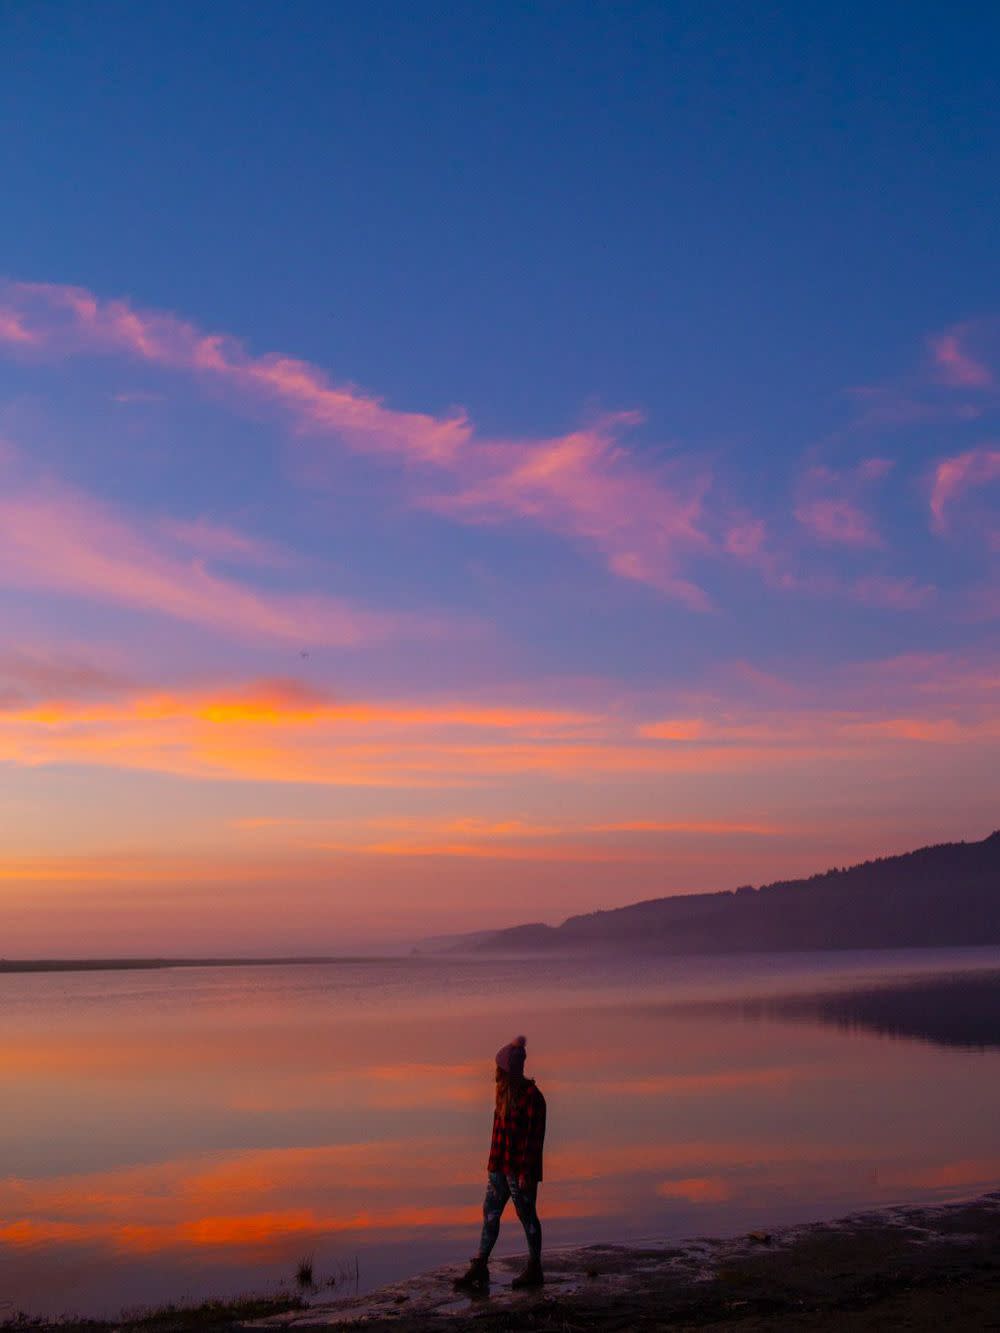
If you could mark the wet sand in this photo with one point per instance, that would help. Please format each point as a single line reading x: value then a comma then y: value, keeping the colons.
x: 926, y: 1268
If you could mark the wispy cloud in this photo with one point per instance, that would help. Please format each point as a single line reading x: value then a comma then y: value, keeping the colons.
x: 650, y: 520
x: 583, y: 485
x: 954, y: 476
x: 586, y: 486
x: 829, y: 505
x: 838, y: 522
x: 13, y: 329
x: 955, y: 363
x: 69, y: 320
x: 64, y: 541
x: 955, y: 382
x: 218, y: 541
x: 28, y: 676
x: 282, y: 731
x: 892, y: 593
x: 505, y: 839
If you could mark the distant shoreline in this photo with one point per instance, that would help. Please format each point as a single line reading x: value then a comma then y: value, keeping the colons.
x: 25, y: 966
x: 9, y: 965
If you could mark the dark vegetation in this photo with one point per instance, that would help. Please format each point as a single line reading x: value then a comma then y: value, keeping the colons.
x: 151, y: 964
x: 204, y: 1318
x: 948, y: 895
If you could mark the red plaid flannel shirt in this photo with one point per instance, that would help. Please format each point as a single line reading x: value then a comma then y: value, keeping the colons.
x: 516, y: 1149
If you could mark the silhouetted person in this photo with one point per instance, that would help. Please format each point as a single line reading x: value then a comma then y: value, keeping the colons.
x: 514, y: 1168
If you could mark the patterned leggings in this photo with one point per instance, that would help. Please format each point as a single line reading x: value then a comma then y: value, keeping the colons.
x: 499, y: 1189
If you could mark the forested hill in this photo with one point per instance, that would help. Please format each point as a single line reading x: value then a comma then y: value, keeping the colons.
x: 943, y: 895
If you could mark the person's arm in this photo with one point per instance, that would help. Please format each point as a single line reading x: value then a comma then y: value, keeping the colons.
x: 531, y: 1143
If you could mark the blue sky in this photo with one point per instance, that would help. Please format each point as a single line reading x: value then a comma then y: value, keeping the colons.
x: 767, y: 235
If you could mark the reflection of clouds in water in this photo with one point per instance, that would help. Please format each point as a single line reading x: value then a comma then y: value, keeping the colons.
x: 696, y: 1189
x: 256, y: 1116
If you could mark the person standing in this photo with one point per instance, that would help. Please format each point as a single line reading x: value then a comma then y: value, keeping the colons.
x: 514, y: 1169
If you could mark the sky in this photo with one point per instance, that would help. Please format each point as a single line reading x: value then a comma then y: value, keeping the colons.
x: 469, y: 464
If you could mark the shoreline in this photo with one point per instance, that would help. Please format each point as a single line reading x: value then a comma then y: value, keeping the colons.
x: 24, y: 966
x: 920, y: 953
x: 921, y: 1267
x: 914, y: 1266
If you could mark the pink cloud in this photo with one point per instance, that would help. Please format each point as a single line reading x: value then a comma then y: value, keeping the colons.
x: 745, y: 540
x: 958, y: 474
x: 830, y: 504
x: 28, y: 676
x: 952, y: 384
x: 69, y: 320
x: 891, y: 593
x: 983, y: 602
x: 874, y: 469
x: 216, y: 541
x: 129, y: 396
x: 888, y: 405
x: 584, y: 485
x: 12, y: 329
x: 954, y: 363
x: 837, y: 522
x: 66, y: 542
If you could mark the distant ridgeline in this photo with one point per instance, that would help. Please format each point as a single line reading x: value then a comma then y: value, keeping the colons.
x: 938, y: 896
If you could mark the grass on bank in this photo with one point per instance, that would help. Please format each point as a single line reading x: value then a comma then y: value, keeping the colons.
x: 203, y: 1318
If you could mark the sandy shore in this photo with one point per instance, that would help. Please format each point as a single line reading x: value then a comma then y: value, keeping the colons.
x: 931, y: 1267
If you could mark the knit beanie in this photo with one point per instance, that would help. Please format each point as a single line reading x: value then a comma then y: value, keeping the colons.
x: 510, y: 1058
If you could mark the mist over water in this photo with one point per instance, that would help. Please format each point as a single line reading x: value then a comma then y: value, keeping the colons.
x: 182, y: 1134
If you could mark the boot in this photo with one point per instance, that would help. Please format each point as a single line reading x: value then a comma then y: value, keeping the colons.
x: 532, y: 1275
x: 477, y: 1278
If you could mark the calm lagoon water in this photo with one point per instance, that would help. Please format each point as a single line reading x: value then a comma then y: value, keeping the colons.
x: 193, y: 1133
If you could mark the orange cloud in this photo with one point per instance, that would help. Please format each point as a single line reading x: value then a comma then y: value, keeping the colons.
x: 278, y: 732
x: 281, y: 731
x: 288, y: 703
x: 503, y: 840
x: 675, y: 729
x: 940, y: 731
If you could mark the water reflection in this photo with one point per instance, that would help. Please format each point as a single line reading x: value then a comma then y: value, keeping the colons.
x: 194, y: 1135
x: 956, y: 1010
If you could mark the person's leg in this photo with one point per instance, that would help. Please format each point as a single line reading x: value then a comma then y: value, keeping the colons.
x: 497, y: 1194
x: 525, y: 1201
x: 477, y: 1278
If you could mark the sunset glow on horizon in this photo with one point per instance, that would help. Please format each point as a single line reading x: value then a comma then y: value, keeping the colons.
x: 562, y: 552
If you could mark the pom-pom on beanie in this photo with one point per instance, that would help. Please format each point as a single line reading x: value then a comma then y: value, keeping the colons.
x: 511, y: 1058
